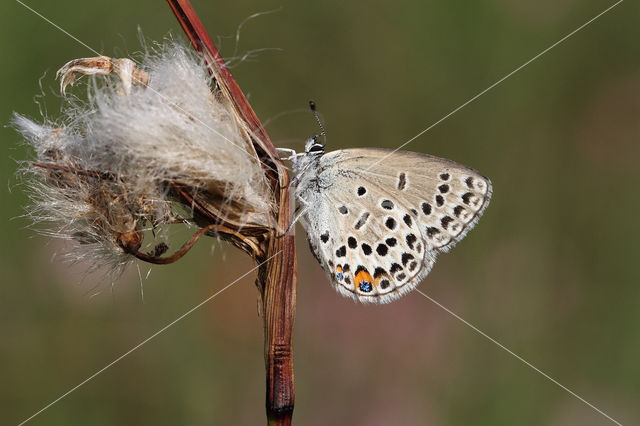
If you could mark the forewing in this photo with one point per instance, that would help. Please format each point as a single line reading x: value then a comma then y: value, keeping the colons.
x: 448, y: 197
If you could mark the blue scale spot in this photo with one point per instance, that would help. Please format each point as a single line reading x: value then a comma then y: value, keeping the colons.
x: 339, y: 276
x: 365, y: 286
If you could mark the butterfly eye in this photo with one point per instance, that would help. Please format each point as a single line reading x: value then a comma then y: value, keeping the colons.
x: 316, y: 148
x: 313, y: 146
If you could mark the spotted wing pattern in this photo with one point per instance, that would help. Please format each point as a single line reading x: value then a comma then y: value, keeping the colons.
x: 377, y: 219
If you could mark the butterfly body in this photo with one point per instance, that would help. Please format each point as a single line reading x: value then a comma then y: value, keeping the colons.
x: 376, y: 219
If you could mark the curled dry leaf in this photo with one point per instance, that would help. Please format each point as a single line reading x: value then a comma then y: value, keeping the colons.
x: 103, y: 65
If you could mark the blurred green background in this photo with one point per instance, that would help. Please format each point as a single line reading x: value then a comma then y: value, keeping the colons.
x: 551, y: 271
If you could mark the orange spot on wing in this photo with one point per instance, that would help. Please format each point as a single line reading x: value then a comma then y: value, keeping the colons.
x: 363, y: 276
x: 338, y: 271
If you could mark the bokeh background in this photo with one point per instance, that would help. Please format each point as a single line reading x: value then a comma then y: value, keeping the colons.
x: 551, y: 271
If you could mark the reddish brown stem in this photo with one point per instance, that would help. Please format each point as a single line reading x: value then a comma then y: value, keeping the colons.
x: 201, y: 41
x: 177, y: 255
x: 277, y: 280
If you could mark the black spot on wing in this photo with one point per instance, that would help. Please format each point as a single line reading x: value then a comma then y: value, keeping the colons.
x: 361, y: 222
x: 402, y: 181
x: 352, y: 242
x: 406, y: 257
x: 445, y: 221
x: 390, y: 223
x: 411, y: 240
x: 469, y: 182
x: 386, y: 204
x: 378, y: 271
x: 395, y: 268
x: 432, y: 231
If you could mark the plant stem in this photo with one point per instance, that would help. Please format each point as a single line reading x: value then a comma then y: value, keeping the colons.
x: 277, y: 280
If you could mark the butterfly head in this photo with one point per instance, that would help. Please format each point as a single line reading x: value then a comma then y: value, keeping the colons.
x: 314, y: 146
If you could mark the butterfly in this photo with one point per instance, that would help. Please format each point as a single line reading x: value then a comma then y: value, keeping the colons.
x: 376, y: 219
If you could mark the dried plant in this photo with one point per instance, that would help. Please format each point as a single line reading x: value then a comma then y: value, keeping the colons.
x: 172, y: 141
x: 152, y: 147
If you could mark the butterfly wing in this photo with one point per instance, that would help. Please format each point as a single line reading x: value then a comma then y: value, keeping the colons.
x: 377, y: 218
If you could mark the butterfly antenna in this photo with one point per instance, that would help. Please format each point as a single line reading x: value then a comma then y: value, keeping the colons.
x: 312, y: 105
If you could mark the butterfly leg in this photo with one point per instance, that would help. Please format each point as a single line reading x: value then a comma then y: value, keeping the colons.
x: 293, y: 155
x: 298, y: 212
x: 291, y: 152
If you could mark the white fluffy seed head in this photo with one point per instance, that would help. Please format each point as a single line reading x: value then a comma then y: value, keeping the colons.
x: 130, y: 148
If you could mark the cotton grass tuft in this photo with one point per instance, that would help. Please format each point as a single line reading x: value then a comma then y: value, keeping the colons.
x: 121, y: 162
